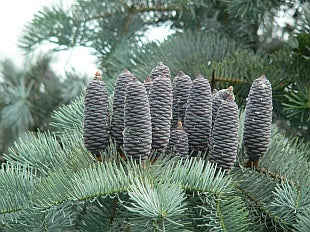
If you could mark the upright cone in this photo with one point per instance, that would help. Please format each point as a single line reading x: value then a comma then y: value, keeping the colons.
x: 117, y: 122
x: 160, y: 70
x: 138, y: 128
x: 178, y: 142
x: 198, y: 115
x: 181, y: 86
x: 224, y: 142
x: 96, y: 116
x: 258, y: 118
x: 161, y: 112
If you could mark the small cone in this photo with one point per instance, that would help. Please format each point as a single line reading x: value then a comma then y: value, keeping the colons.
x: 117, y: 122
x: 181, y: 86
x: 96, y: 116
x: 198, y: 115
x: 258, y: 118
x: 178, y: 142
x: 138, y: 128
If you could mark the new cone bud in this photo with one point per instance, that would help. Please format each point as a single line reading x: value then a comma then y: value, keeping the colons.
x: 198, y: 115
x: 224, y: 143
x: 181, y: 86
x: 178, y: 143
x: 96, y: 116
x: 161, y: 112
x: 258, y: 118
x: 137, y: 123
x: 117, y: 122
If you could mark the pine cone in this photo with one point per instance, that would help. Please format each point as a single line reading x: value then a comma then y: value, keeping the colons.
x: 160, y: 70
x: 181, y: 87
x: 148, y: 83
x: 224, y: 142
x: 138, y: 128
x: 198, y: 115
x: 96, y: 116
x: 258, y: 117
x: 117, y: 122
x: 161, y: 112
x: 178, y: 142
x: 217, y: 98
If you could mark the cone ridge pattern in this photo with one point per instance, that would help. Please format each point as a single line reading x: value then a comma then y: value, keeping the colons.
x: 138, y: 128
x: 178, y: 142
x: 224, y: 142
x: 198, y: 115
x: 160, y: 70
x: 96, y: 117
x: 181, y: 87
x: 161, y: 112
x: 258, y: 118
x: 117, y: 122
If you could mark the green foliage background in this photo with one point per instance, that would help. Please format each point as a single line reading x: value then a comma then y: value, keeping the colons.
x: 48, y: 181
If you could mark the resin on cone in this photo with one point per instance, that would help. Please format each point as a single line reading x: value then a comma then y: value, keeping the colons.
x: 160, y: 70
x: 96, y: 116
x: 258, y: 118
x: 181, y: 86
x: 178, y: 142
x: 137, y: 123
x: 198, y: 115
x: 161, y: 112
x: 117, y: 122
x: 224, y: 142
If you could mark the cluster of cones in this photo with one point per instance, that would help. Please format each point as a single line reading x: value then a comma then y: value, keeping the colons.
x: 150, y: 116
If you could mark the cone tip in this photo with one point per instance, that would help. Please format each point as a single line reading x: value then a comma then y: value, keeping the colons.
x: 181, y: 73
x: 147, y: 79
x: 97, y: 75
x: 263, y: 77
x: 199, y: 76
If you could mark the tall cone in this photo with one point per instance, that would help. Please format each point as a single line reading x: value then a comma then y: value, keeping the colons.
x: 178, y: 142
x: 224, y: 142
x: 117, y: 122
x: 217, y: 99
x: 96, y: 116
x: 161, y: 112
x: 138, y: 128
x: 160, y: 70
x: 198, y: 115
x: 258, y: 117
x: 181, y: 86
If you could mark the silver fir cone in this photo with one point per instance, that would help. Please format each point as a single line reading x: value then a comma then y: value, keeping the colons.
x: 117, y: 122
x: 258, y: 118
x: 96, y: 116
x: 181, y: 86
x: 198, y: 115
x: 161, y: 112
x: 224, y: 142
x: 137, y: 123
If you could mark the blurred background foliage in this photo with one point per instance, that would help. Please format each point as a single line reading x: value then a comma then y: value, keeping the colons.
x: 28, y: 96
x: 240, y: 40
